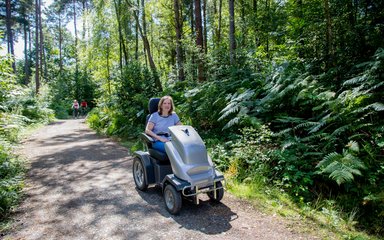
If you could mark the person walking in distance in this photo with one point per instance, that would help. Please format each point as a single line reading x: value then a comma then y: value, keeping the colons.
x: 84, y: 106
x: 75, y: 109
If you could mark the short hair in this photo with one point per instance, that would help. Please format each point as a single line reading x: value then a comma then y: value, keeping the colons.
x: 161, y: 103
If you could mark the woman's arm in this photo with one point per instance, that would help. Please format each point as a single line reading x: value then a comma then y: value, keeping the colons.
x: 148, y: 131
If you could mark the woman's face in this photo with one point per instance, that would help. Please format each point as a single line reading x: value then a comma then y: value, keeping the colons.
x: 166, y: 106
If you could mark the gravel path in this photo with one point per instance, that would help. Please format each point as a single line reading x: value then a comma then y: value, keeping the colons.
x: 80, y: 186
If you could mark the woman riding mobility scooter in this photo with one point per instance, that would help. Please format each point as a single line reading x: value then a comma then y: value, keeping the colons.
x: 185, y: 170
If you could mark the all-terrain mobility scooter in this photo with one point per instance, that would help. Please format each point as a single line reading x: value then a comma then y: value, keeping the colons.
x: 185, y: 171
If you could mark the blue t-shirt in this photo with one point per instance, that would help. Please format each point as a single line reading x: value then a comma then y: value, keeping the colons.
x: 161, y: 124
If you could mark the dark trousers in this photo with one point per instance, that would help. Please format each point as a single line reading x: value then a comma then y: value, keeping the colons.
x: 75, y: 113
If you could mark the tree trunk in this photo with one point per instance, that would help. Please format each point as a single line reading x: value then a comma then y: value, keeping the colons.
x: 243, y: 38
x: 77, y: 87
x: 117, y: 9
x: 75, y: 27
x: 219, y: 23
x: 300, y: 17
x: 84, y: 19
x: 143, y: 19
x: 108, y: 73
x: 8, y: 21
x: 205, y: 25
x: 199, y: 39
x: 43, y: 65
x: 144, y: 31
x: 26, y: 58
x: 256, y: 30
x: 192, y: 19
x: 268, y: 22
x: 122, y: 39
x: 37, y: 51
x: 198, y: 25
x: 147, y: 49
x: 179, y: 51
x: 136, y: 42
x: 60, y: 44
x: 232, y: 42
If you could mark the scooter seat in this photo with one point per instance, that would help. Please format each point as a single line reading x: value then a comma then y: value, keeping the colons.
x: 162, y: 157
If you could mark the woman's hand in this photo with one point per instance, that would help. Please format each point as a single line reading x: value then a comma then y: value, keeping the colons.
x: 163, y: 139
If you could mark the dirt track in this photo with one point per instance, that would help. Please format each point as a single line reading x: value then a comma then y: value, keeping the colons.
x: 80, y: 186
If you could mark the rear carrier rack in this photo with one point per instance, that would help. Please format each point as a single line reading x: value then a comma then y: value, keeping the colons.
x: 189, y: 191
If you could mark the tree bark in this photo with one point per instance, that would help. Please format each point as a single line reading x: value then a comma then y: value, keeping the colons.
x: 37, y: 45
x: 144, y: 31
x: 256, y: 30
x: 244, y: 29
x: 192, y: 19
x: 60, y: 44
x: 43, y: 65
x: 232, y: 41
x: 121, y: 41
x: 26, y: 58
x: 108, y: 73
x: 198, y: 24
x: 75, y: 27
x: 179, y: 30
x: 219, y: 23
x: 300, y: 16
x: 205, y: 26
x: 147, y: 48
x: 77, y: 87
x: 199, y: 39
x: 136, y: 36
x: 8, y: 23
x: 267, y: 35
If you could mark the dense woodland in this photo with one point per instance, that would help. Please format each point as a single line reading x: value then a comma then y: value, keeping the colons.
x: 286, y: 93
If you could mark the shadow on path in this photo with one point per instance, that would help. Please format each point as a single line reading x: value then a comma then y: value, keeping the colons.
x: 80, y: 185
x: 191, y: 216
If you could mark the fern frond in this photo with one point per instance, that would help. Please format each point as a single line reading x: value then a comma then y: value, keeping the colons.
x: 341, y: 176
x: 342, y: 167
x: 287, y: 119
x: 362, y: 126
x: 282, y: 132
x: 305, y: 125
x: 327, y: 160
x: 232, y: 122
x: 376, y: 86
x: 288, y: 144
x: 355, y: 80
x: 236, y: 103
x: 316, y: 137
x: 341, y: 129
x: 377, y: 106
x: 228, y: 110
x: 317, y: 127
x: 327, y: 95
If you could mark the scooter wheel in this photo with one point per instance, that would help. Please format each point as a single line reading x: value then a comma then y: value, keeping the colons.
x: 172, y: 199
x: 139, y: 175
x: 219, y: 193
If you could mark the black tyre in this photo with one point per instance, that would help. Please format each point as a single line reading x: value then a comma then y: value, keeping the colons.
x: 139, y: 174
x: 219, y: 193
x: 172, y: 199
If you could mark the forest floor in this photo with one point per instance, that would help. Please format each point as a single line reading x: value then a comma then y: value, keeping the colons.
x: 79, y: 185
